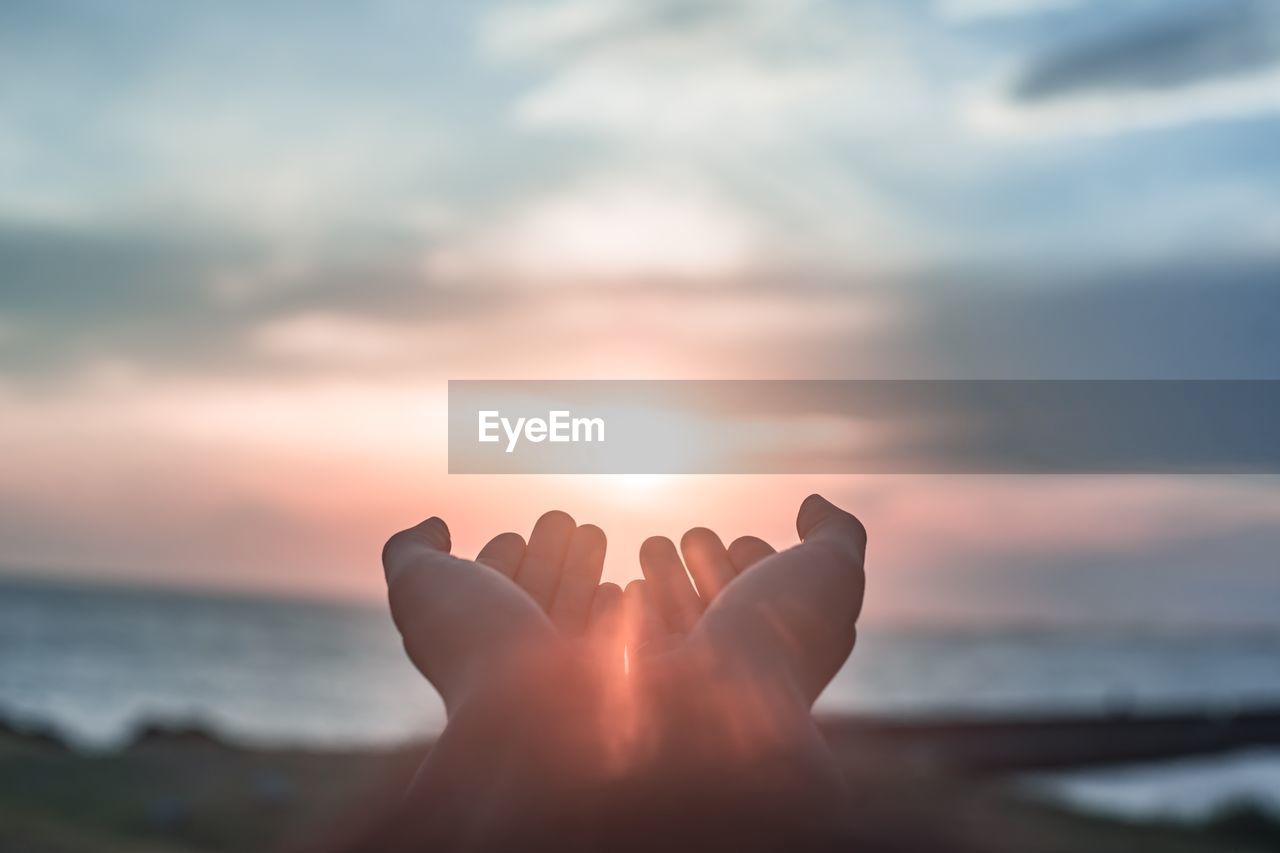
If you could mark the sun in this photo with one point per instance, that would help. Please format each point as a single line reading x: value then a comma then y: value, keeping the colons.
x: 641, y: 483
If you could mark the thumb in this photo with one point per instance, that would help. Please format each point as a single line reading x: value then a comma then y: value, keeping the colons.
x: 402, y: 549
x: 820, y: 521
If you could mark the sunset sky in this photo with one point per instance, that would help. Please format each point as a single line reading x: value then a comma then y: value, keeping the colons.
x: 243, y: 248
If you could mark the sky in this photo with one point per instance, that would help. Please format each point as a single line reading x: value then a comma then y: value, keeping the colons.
x: 244, y: 246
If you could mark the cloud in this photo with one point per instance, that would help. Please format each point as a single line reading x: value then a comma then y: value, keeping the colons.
x: 277, y: 119
x: 710, y: 75
x: 150, y: 303
x: 1206, y: 320
x: 175, y: 300
x: 1102, y: 114
x: 1203, y: 64
x: 340, y: 340
x: 217, y: 270
x: 541, y: 30
x: 755, y: 147
x: 607, y: 229
x: 786, y: 111
x: 973, y: 10
x: 1223, y: 40
x: 283, y: 168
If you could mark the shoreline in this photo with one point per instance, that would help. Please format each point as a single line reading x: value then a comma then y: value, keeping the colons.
x: 184, y: 788
x: 966, y: 743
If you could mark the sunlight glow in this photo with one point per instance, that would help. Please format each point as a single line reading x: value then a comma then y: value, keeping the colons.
x: 640, y: 483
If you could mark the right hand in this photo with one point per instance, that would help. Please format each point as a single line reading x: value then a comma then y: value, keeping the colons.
x: 788, y: 616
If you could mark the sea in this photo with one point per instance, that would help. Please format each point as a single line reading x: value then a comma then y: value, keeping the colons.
x: 96, y: 663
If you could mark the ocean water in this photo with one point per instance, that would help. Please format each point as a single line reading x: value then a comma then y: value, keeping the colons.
x: 96, y: 662
x: 1189, y: 789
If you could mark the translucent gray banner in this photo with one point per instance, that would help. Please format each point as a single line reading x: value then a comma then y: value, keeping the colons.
x: 864, y: 426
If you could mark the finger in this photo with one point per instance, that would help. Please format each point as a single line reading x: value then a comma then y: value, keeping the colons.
x: 831, y: 556
x: 434, y: 600
x: 668, y: 588
x: 605, y: 625
x: 539, y: 573
x: 799, y: 608
x: 746, y: 551
x: 708, y: 562
x: 579, y: 576
x: 605, y: 618
x: 833, y: 547
x: 503, y: 553
x: 412, y: 544
x: 642, y: 623
x: 822, y: 522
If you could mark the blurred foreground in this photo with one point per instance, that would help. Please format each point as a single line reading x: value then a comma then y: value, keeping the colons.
x: 930, y: 786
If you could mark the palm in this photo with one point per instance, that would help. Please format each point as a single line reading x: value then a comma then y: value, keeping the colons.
x: 791, y: 613
x: 463, y: 620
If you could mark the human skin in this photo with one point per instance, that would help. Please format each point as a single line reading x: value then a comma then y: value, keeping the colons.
x: 704, y: 739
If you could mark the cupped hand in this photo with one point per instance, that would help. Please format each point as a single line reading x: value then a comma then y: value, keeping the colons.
x: 465, y: 623
x: 712, y: 717
x: 787, y: 616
